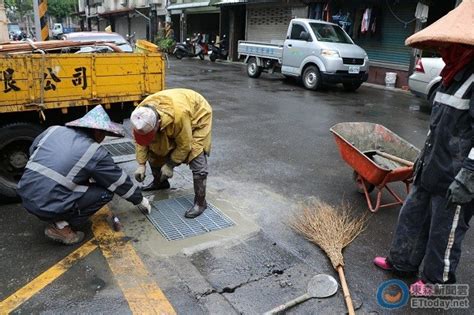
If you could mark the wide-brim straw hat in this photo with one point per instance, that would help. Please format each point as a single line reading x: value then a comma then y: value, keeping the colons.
x: 456, y: 27
x: 98, y: 119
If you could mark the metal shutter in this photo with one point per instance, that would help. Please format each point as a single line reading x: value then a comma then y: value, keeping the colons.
x: 267, y: 23
x: 391, y: 49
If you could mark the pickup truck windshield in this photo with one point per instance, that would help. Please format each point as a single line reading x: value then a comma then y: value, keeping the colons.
x: 330, y: 33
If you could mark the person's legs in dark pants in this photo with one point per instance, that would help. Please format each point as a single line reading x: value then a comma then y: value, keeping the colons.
x: 200, y: 170
x: 448, y: 228
x: 411, y: 235
x: 94, y: 199
x: 156, y: 162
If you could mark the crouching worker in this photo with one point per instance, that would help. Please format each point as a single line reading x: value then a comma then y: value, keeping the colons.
x: 69, y: 176
x: 173, y: 127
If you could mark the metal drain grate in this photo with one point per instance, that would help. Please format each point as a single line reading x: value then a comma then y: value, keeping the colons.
x: 121, y: 151
x: 168, y: 218
x: 120, y: 148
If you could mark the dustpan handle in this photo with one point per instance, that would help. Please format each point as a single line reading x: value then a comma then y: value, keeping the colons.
x: 289, y: 304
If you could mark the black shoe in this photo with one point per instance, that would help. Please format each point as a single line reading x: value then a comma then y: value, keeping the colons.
x: 157, y: 186
x: 82, y: 226
x: 200, y: 203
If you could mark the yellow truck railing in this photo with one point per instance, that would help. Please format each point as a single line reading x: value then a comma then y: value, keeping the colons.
x: 39, y: 82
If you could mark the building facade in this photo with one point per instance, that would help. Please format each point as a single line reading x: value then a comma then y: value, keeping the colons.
x: 126, y: 17
x: 378, y: 26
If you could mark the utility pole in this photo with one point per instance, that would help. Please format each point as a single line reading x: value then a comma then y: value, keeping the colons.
x: 3, y: 23
x: 41, y: 19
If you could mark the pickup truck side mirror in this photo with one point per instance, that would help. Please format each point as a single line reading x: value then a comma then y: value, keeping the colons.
x: 305, y: 36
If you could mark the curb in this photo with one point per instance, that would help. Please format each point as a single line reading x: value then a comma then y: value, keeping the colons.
x: 370, y: 85
x: 381, y: 87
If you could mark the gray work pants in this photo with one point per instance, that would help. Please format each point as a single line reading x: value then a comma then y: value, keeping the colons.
x: 93, y: 199
x: 199, y: 166
x: 428, y: 228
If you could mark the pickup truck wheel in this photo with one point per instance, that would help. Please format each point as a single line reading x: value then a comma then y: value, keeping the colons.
x: 253, y: 70
x: 352, y: 86
x: 15, y: 142
x: 311, y: 78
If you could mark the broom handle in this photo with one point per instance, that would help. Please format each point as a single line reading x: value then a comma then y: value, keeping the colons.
x: 345, y: 290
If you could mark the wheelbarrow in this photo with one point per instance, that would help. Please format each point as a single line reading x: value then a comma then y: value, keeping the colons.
x: 378, y: 157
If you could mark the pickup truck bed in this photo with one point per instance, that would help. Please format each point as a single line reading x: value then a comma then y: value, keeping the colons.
x: 261, y: 49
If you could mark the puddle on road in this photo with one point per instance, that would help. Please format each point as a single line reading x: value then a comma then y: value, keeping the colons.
x: 208, y: 70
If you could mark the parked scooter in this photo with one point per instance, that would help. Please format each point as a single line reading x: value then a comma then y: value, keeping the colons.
x: 220, y: 50
x: 190, y: 48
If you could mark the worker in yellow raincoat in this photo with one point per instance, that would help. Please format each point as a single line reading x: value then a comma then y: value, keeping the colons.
x: 173, y: 127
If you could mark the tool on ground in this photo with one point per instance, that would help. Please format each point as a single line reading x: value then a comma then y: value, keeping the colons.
x: 331, y: 229
x: 116, y: 224
x: 320, y: 286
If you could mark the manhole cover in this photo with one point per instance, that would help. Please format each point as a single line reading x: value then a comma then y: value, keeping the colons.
x: 168, y: 218
x: 121, y: 151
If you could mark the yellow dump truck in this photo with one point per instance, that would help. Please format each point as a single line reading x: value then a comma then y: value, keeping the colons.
x: 39, y: 90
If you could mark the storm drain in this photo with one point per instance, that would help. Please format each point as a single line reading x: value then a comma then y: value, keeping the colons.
x: 168, y: 218
x: 121, y: 151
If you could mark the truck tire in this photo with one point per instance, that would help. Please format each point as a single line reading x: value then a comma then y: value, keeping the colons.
x: 351, y: 86
x: 15, y: 142
x: 253, y: 70
x: 311, y: 78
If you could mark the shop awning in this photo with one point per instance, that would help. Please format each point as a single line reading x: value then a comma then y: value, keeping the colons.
x: 180, y: 6
x: 116, y: 12
x: 229, y: 2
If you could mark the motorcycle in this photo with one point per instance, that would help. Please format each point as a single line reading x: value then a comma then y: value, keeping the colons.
x: 190, y: 48
x: 219, y: 51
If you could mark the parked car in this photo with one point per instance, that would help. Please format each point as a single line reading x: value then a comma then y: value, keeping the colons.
x: 115, y: 38
x: 425, y: 80
x: 318, y: 52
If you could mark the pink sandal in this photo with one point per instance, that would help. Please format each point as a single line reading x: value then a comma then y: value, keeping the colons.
x: 382, y: 263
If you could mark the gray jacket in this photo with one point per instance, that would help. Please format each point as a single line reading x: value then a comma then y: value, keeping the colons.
x: 62, y: 162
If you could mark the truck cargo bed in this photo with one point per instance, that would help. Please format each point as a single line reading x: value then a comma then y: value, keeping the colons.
x: 260, y: 49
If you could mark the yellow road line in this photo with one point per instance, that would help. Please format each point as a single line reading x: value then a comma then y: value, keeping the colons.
x: 33, y: 287
x: 141, y: 292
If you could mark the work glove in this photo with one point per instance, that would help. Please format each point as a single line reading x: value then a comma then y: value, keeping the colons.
x: 461, y: 190
x: 166, y: 172
x: 145, y: 206
x: 140, y: 173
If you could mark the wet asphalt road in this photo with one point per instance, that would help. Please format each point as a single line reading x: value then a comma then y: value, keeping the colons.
x: 272, y: 150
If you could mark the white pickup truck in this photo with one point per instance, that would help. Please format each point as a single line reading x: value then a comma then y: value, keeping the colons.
x: 318, y: 52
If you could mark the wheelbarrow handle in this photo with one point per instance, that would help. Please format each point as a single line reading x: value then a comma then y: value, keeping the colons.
x: 289, y: 304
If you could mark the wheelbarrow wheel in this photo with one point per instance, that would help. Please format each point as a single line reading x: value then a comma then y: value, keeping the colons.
x: 359, y: 181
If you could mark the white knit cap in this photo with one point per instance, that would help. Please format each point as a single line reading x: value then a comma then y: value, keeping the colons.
x: 143, y: 119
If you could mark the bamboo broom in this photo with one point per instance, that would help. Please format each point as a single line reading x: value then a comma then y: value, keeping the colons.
x: 331, y: 229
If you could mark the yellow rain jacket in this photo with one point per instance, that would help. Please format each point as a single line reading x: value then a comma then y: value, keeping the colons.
x: 185, y: 130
